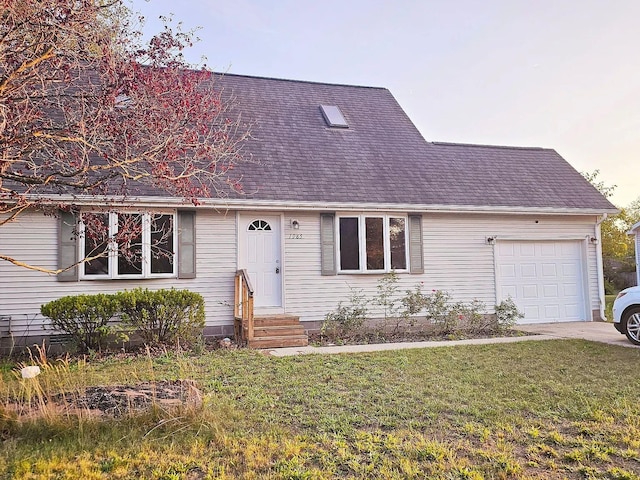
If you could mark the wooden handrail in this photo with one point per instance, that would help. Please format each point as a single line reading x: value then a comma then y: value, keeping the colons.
x: 246, y: 280
x: 243, y: 307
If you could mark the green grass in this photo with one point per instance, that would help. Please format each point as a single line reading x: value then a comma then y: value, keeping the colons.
x: 608, y: 309
x: 553, y: 409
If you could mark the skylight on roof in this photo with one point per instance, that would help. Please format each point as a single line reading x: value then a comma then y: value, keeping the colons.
x: 333, y: 116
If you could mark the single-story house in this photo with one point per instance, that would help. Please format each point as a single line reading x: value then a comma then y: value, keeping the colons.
x: 635, y: 231
x: 342, y: 189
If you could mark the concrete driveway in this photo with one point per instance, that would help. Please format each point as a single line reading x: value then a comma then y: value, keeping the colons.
x: 595, y: 331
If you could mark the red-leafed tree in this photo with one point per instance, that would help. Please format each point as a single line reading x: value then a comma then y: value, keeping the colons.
x: 87, y: 109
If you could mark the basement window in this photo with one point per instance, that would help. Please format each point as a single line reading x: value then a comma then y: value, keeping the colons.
x: 333, y: 116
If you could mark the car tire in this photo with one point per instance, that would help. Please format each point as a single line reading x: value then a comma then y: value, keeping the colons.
x: 631, y: 325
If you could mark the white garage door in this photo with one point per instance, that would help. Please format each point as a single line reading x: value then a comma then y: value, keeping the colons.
x: 545, y: 279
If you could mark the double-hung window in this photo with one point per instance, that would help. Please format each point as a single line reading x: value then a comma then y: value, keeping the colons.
x: 128, y: 245
x: 372, y: 243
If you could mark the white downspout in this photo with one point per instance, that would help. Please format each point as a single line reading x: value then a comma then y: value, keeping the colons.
x: 599, y: 266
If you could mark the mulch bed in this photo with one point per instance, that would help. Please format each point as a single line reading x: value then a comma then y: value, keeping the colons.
x: 410, y: 336
x: 121, y: 400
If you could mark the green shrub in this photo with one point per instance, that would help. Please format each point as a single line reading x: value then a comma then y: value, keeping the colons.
x: 434, y: 313
x: 163, y: 316
x: 387, y: 296
x: 413, y: 302
x: 507, y: 314
x: 84, y: 317
x: 346, y: 320
x: 474, y: 317
x: 444, y: 315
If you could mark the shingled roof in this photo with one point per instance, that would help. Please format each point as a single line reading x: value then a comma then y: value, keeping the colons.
x: 381, y: 158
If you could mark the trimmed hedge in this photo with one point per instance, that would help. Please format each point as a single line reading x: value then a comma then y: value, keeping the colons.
x: 84, y: 317
x: 161, y: 316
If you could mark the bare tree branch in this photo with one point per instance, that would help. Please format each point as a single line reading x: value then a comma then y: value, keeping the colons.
x: 86, y: 109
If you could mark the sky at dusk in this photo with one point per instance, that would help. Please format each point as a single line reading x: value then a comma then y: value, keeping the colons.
x: 549, y: 73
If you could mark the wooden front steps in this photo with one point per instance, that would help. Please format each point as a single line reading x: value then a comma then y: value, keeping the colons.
x: 275, y: 331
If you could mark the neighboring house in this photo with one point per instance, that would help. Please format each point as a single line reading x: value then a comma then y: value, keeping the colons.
x: 635, y: 231
x: 343, y: 189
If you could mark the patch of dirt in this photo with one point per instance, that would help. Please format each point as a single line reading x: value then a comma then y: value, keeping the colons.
x: 118, y: 400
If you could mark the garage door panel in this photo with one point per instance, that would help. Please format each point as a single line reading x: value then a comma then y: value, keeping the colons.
x: 545, y: 279
x: 528, y: 270
x: 510, y: 291
x: 529, y: 291
x: 548, y: 249
x: 506, y: 249
x: 508, y: 270
x: 570, y: 269
x: 527, y: 249
x: 531, y: 312
x: 572, y: 311
x: 570, y: 248
x: 570, y: 290
x: 549, y: 270
x: 552, y: 311
x: 550, y: 291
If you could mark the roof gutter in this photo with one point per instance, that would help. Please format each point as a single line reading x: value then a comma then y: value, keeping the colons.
x: 249, y: 204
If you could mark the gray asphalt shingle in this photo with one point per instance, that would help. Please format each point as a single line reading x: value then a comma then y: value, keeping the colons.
x: 382, y: 158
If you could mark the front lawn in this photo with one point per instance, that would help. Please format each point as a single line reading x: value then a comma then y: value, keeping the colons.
x: 535, y: 410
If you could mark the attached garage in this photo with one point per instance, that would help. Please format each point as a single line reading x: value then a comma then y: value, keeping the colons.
x: 546, y: 279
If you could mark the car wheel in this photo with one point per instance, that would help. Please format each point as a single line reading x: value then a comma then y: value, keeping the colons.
x: 631, y: 325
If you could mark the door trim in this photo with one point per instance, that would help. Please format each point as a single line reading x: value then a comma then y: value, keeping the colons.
x: 240, y: 215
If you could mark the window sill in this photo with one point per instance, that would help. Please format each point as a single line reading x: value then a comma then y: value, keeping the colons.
x: 370, y: 272
x: 125, y: 278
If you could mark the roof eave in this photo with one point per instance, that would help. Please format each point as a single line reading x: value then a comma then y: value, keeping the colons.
x: 635, y: 229
x: 248, y: 204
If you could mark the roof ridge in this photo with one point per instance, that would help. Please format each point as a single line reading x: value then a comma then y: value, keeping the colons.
x: 291, y: 80
x: 480, y: 145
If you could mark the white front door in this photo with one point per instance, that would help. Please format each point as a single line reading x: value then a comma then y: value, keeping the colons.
x: 259, y: 239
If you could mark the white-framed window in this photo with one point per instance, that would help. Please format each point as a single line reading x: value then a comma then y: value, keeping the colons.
x: 128, y: 245
x: 372, y: 243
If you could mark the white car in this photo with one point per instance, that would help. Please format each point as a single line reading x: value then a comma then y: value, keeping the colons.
x: 626, y: 313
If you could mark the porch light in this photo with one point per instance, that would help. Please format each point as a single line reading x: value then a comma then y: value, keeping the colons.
x: 295, y: 224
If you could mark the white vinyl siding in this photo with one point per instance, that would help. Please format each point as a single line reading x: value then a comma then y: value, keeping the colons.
x: 457, y: 258
x: 33, y: 238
